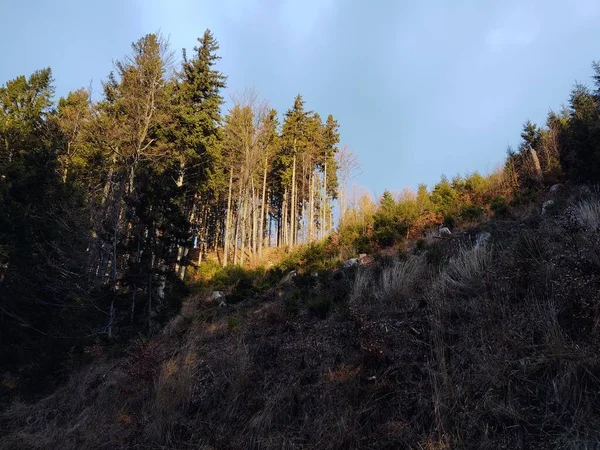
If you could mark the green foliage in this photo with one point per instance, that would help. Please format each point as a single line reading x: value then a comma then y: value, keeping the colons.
x: 449, y: 221
x: 293, y: 303
x: 444, y: 198
x: 580, y: 152
x: 315, y: 257
x: 436, y: 256
x: 320, y: 306
x: 233, y: 323
x: 388, y: 227
x: 471, y: 212
x: 499, y: 207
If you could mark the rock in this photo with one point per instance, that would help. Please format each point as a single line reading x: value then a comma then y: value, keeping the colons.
x: 288, y: 277
x: 547, y: 204
x: 444, y: 231
x: 482, y: 238
x: 216, y: 295
x: 352, y: 262
x: 555, y: 188
x: 584, y: 190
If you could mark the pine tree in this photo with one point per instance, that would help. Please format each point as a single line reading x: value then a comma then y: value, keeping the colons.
x: 293, y: 146
x: 197, y: 136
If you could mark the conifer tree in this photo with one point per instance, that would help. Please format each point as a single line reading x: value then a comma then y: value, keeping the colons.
x: 294, y: 143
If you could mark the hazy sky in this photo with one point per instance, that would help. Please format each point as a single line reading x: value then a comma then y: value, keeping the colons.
x: 420, y: 88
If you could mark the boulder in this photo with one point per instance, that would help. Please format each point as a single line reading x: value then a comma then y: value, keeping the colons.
x: 482, y: 238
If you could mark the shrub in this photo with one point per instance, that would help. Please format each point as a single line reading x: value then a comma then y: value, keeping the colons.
x: 233, y: 323
x: 449, y: 221
x: 320, y: 306
x: 436, y: 256
x: 420, y: 246
x: 387, y: 235
x: 471, y: 213
x: 363, y: 244
x: 499, y: 207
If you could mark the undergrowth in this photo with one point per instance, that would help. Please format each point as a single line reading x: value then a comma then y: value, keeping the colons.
x: 448, y: 346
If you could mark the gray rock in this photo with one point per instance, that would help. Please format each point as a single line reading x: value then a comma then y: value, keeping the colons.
x: 547, y: 204
x: 555, y: 188
x: 482, y: 238
x: 352, y: 262
x: 444, y: 231
x: 216, y: 295
x: 288, y: 277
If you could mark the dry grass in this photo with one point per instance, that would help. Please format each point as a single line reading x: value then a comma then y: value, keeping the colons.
x: 360, y: 286
x: 502, y: 352
x: 398, y: 281
x: 67, y: 417
x: 588, y: 214
x: 464, y: 273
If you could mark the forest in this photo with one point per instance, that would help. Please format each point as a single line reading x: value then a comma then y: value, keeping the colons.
x: 102, y: 201
x: 120, y: 213
x: 106, y: 203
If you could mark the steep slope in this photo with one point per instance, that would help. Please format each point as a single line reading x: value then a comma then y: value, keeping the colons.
x: 452, y: 345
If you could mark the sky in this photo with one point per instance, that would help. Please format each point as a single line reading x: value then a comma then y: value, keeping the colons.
x: 420, y: 88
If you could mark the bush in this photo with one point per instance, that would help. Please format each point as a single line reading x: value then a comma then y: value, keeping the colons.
x: 449, y: 221
x: 499, y: 207
x: 436, y: 256
x: 471, y: 213
x: 388, y: 235
x: 320, y: 306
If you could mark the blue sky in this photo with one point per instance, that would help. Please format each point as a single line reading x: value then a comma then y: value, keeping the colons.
x: 420, y: 88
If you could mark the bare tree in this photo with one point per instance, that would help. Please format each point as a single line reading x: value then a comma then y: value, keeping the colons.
x: 348, y: 168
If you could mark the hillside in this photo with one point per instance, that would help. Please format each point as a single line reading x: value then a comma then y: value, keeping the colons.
x: 461, y: 342
x: 177, y: 275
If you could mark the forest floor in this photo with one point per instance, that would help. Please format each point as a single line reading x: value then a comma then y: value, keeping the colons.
x: 448, y: 345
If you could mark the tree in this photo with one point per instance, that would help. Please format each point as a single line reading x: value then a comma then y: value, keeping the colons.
x: 580, y: 156
x: 444, y: 198
x: 74, y: 115
x: 293, y: 141
x: 348, y: 165
x: 43, y: 227
x: 331, y: 138
x: 269, y: 143
x: 25, y: 107
x: 197, y: 135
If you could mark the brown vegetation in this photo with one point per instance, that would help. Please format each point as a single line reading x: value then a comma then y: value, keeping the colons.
x: 451, y: 347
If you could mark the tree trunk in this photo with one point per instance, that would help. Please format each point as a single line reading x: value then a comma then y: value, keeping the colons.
x: 203, y: 235
x: 237, y: 225
x: 227, y: 220
x: 311, y: 206
x: 302, y: 197
x: 293, y: 206
x: 283, y: 220
x: 536, y: 164
x: 254, y: 218
x: 262, y: 211
x: 243, y: 232
x: 115, y: 222
x: 324, y: 208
